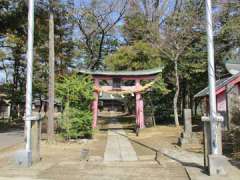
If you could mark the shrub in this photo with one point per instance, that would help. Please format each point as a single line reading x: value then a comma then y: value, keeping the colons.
x: 75, y: 123
x: 75, y: 91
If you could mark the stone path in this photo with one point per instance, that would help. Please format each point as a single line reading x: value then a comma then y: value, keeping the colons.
x: 118, y: 146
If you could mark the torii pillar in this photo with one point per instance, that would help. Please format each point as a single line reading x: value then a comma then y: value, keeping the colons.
x: 139, y: 106
x: 95, y: 104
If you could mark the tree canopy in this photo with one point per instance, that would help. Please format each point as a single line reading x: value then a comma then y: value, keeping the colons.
x: 117, y: 35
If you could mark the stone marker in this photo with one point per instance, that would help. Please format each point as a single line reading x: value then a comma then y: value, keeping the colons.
x: 36, y: 138
x: 186, y: 136
x: 84, y: 154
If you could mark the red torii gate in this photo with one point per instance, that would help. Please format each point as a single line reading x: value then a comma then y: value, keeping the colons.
x: 117, y: 88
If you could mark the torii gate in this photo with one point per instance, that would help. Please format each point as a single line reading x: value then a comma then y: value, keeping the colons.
x: 118, y: 88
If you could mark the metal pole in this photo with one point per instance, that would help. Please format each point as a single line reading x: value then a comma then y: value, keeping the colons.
x: 28, y: 110
x: 211, y: 79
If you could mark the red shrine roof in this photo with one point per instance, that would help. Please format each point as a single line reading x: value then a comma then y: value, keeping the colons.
x: 220, y: 85
x: 148, y: 72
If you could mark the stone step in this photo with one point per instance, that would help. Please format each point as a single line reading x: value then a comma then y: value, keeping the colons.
x: 111, y: 164
x: 120, y: 177
x: 127, y: 164
x: 116, y: 170
x: 139, y: 170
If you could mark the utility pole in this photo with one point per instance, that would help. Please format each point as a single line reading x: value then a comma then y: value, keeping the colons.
x: 50, y: 130
x: 211, y: 79
x: 28, y: 107
x: 213, y: 158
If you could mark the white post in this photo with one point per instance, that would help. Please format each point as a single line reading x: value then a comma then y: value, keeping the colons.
x: 211, y: 79
x: 28, y: 108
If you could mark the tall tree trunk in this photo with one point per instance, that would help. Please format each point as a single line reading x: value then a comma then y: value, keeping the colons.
x: 175, y: 99
x: 97, y: 62
x: 50, y: 130
x: 14, y: 89
x: 183, y: 99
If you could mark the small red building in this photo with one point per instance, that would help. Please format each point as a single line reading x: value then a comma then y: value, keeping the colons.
x: 228, y: 99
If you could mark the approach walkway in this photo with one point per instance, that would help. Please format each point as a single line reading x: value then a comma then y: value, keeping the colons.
x: 118, y: 146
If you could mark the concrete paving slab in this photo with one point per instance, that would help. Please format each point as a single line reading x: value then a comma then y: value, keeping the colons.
x: 118, y: 146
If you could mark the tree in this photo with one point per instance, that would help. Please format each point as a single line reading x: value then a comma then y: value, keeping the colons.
x: 51, y: 73
x: 227, y: 36
x: 96, y: 21
x: 139, y: 56
x: 40, y: 66
x: 178, y: 33
x: 143, y: 19
x: 75, y: 92
x: 13, y: 19
x: 13, y: 38
x: 64, y: 37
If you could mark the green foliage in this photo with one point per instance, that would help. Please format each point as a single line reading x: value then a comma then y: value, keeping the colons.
x: 160, y: 86
x: 75, y: 92
x: 2, y: 55
x: 76, y: 123
x: 75, y: 89
x: 135, y: 27
x: 139, y: 56
x: 138, y: 26
x: 227, y: 36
